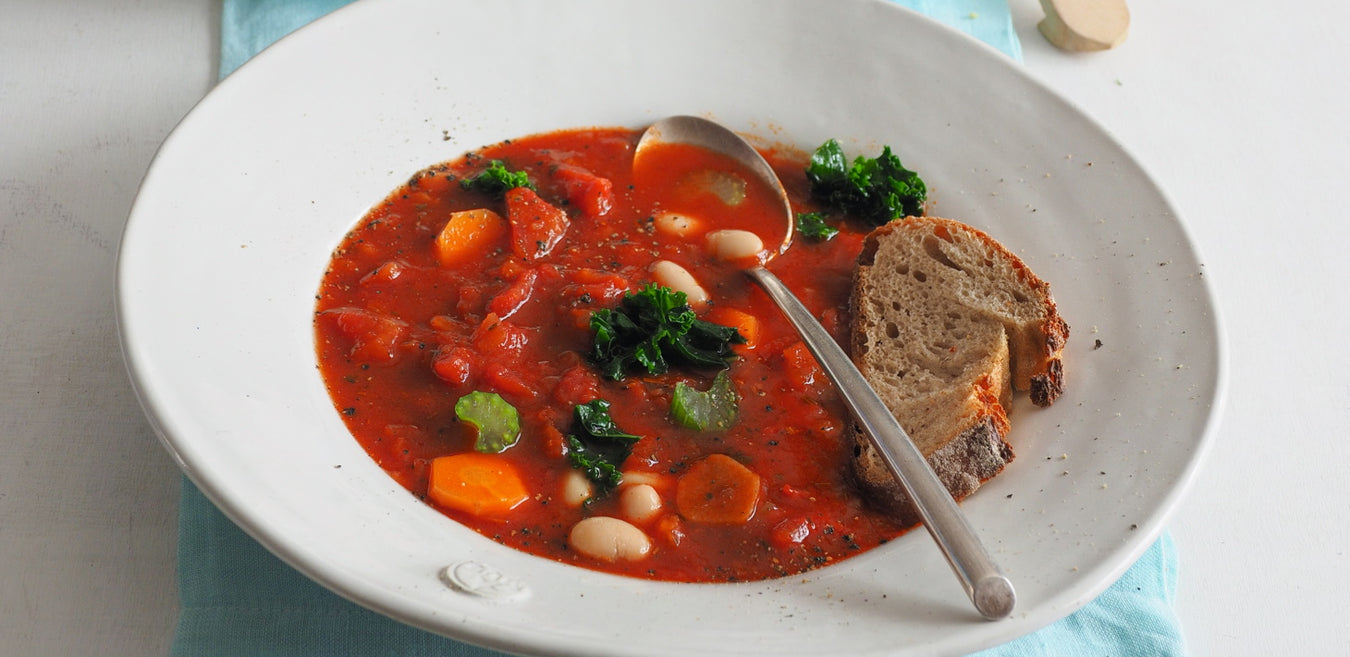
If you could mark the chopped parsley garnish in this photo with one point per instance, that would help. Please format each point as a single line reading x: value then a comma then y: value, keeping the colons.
x: 873, y: 190
x: 654, y: 328
x: 597, y: 446
x: 496, y: 180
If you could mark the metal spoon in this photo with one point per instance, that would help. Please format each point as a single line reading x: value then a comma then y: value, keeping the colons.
x: 986, y: 585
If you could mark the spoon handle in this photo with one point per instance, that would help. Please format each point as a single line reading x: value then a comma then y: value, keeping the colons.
x: 989, y: 589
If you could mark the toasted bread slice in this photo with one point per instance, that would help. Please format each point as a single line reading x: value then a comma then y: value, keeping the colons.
x: 946, y: 323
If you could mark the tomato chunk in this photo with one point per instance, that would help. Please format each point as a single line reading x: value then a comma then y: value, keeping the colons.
x: 591, y: 194
x: 577, y: 385
x: 536, y: 225
x: 801, y: 367
x: 455, y: 366
x: 790, y: 532
x: 512, y: 298
x: 498, y: 340
x: 375, y: 336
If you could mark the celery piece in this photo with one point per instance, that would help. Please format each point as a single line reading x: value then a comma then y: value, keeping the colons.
x: 497, y: 422
x: 727, y: 187
x: 713, y: 410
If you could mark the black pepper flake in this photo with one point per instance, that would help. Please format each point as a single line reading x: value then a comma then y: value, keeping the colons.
x: 349, y: 411
x: 1097, y: 344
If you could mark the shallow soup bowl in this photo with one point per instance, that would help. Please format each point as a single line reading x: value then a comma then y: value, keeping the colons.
x: 242, y: 207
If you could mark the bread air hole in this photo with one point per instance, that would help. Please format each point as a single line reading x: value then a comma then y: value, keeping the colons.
x: 934, y: 251
x: 950, y: 325
x: 951, y: 330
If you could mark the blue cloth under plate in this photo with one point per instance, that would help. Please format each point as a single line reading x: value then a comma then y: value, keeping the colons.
x: 238, y: 599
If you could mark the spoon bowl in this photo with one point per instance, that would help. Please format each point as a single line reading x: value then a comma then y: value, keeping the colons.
x: 695, y: 131
x: 988, y: 588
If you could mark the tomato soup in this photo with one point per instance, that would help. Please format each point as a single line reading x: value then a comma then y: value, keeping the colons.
x: 457, y: 327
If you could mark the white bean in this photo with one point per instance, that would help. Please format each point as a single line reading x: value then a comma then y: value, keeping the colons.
x: 731, y: 244
x: 676, y: 224
x: 640, y: 503
x: 576, y: 488
x: 653, y: 479
x: 679, y: 279
x: 609, y: 539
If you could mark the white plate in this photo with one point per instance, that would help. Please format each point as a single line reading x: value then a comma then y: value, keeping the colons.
x: 236, y: 218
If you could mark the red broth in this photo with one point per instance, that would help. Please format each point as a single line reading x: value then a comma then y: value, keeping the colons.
x: 402, y: 335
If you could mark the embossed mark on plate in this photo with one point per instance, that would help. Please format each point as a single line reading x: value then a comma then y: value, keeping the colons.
x: 483, y: 581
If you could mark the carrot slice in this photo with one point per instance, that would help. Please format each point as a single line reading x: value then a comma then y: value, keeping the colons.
x: 747, y: 324
x: 717, y: 490
x: 481, y: 484
x: 469, y: 234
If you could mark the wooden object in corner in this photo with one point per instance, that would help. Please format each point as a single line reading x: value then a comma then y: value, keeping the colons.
x: 1085, y: 25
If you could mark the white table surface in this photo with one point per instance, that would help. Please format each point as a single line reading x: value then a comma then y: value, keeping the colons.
x: 1238, y: 109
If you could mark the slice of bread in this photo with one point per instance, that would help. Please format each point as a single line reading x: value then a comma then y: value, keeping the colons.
x: 946, y: 323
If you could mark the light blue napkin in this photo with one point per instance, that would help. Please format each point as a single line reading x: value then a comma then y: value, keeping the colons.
x: 248, y: 26
x: 238, y: 599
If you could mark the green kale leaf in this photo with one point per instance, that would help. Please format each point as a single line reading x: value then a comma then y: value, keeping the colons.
x: 496, y: 180
x: 874, y: 190
x: 654, y: 328
x: 814, y: 226
x: 597, y: 446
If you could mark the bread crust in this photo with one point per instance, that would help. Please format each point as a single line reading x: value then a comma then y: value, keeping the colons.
x: 969, y: 459
x: 949, y: 380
